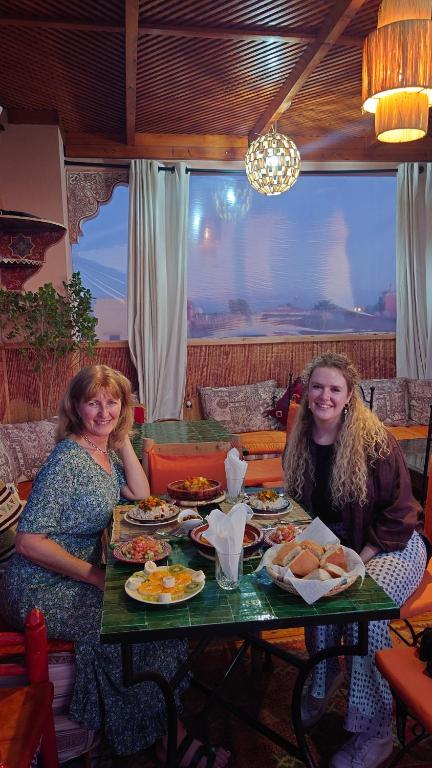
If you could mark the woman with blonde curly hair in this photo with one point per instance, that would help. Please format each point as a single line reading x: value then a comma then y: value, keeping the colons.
x: 345, y: 467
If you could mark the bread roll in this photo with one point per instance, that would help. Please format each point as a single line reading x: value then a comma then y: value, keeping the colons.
x: 336, y: 556
x: 315, y: 548
x: 303, y: 563
x: 334, y: 570
x: 284, y: 551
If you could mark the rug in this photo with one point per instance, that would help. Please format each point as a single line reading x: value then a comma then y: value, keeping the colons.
x: 266, y: 694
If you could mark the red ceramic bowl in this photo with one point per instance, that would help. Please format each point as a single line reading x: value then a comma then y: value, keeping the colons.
x: 253, y: 539
x: 176, y: 491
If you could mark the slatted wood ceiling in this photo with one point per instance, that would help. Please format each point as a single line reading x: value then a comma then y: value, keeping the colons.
x: 194, y: 77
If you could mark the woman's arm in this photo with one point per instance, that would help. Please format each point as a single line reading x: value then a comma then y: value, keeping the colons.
x: 48, y: 554
x: 137, y: 485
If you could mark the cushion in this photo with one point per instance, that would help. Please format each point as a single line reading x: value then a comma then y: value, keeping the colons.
x: 24, y: 448
x: 390, y: 402
x: 419, y: 399
x: 281, y: 406
x: 10, y: 510
x: 240, y: 409
x: 263, y: 444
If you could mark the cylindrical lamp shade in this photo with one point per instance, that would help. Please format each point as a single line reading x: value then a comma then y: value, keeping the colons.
x: 272, y: 163
x: 402, y: 117
x: 397, y: 57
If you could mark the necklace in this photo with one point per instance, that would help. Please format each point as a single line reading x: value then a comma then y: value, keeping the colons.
x: 93, y: 445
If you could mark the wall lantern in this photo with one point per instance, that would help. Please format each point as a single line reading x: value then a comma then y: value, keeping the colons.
x: 272, y: 163
x: 397, y: 70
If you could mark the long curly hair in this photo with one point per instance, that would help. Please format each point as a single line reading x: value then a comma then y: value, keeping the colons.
x: 362, y: 439
x: 85, y: 385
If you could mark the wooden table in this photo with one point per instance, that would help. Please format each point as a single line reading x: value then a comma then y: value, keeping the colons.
x: 257, y: 605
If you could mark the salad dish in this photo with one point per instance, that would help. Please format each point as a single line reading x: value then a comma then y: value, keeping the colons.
x: 269, y: 502
x: 252, y: 540
x: 279, y: 534
x: 164, y: 585
x: 196, y: 488
x: 141, y: 549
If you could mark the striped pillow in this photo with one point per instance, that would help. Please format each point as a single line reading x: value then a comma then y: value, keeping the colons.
x: 10, y: 509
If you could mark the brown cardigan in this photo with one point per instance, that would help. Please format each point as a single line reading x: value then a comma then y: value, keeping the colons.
x: 391, y: 513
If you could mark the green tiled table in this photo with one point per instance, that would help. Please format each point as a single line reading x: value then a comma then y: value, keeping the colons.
x: 165, y: 432
x: 257, y: 605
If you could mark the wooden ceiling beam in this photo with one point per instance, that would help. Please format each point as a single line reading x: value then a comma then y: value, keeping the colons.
x: 131, y: 52
x: 59, y: 23
x: 283, y: 34
x: 171, y: 146
x: 339, y: 17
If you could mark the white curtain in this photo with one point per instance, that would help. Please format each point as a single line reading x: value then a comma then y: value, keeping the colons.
x: 414, y: 271
x: 157, y: 324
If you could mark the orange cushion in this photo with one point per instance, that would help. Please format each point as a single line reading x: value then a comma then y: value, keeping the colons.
x: 421, y: 600
x: 408, y: 679
x: 164, y: 469
x: 23, y: 716
x: 267, y: 470
x: 264, y: 441
x: 24, y: 489
x: 409, y: 432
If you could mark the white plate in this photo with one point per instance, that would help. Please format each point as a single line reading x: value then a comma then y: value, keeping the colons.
x: 203, y: 503
x: 136, y: 596
x: 154, y: 523
x: 267, y: 515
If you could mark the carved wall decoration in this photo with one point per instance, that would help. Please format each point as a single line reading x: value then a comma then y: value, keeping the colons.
x: 24, y: 240
x: 86, y: 191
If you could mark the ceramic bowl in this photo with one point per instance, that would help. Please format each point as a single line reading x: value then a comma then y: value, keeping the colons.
x: 252, y: 540
x: 176, y: 491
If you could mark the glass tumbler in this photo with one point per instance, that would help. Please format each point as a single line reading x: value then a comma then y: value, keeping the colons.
x: 229, y: 569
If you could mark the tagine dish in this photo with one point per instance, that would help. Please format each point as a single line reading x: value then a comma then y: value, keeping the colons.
x: 252, y: 540
x: 152, y: 510
x: 194, y: 489
x: 164, y: 585
x: 141, y: 549
x: 268, y: 502
x: 308, y: 560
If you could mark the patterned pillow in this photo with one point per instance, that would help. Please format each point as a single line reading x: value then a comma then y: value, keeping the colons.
x: 390, y: 401
x: 240, y: 409
x: 419, y: 399
x: 10, y: 509
x: 24, y: 448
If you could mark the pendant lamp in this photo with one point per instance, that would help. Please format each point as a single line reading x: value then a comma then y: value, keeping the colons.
x: 272, y: 163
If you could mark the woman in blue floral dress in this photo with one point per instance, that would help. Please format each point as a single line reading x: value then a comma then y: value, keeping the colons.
x: 56, y: 566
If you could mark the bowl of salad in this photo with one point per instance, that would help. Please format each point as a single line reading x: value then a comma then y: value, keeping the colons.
x: 141, y: 549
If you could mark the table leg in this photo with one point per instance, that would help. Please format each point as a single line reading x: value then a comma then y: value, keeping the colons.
x: 130, y: 677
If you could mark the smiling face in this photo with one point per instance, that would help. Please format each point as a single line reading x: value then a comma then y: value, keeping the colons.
x: 327, y: 395
x: 100, y: 414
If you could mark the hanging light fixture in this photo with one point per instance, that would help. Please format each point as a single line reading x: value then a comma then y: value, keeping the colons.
x: 397, y: 70
x: 272, y: 163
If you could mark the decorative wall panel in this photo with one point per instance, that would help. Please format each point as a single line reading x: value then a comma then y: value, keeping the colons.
x: 86, y: 190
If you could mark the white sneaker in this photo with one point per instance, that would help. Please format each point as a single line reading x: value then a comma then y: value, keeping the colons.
x: 312, y: 709
x: 362, y: 751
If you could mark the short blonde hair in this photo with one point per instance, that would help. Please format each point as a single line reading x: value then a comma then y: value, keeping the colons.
x: 84, y: 386
x: 362, y: 439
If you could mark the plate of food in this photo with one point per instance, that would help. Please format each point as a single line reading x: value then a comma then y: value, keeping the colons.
x: 279, y: 534
x: 164, y: 584
x: 252, y: 540
x: 152, y: 510
x: 309, y: 561
x: 269, y: 503
x: 195, y: 488
x: 141, y: 549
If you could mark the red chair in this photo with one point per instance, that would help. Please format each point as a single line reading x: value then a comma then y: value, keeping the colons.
x: 26, y: 712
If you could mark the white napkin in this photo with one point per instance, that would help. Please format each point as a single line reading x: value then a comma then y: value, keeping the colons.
x: 312, y: 589
x: 235, y: 470
x: 226, y: 532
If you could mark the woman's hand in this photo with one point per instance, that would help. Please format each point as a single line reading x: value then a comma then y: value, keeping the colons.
x: 97, y: 578
x: 137, y: 485
x: 368, y: 552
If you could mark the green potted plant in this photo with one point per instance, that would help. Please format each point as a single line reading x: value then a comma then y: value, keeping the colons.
x: 54, y: 330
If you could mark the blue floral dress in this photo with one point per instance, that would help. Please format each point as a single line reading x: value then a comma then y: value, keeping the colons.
x: 72, y: 501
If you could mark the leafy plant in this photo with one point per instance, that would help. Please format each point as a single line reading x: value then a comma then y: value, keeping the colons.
x: 54, y: 329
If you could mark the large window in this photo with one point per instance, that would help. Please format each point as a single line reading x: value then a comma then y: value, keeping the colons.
x: 101, y: 258
x: 317, y: 259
